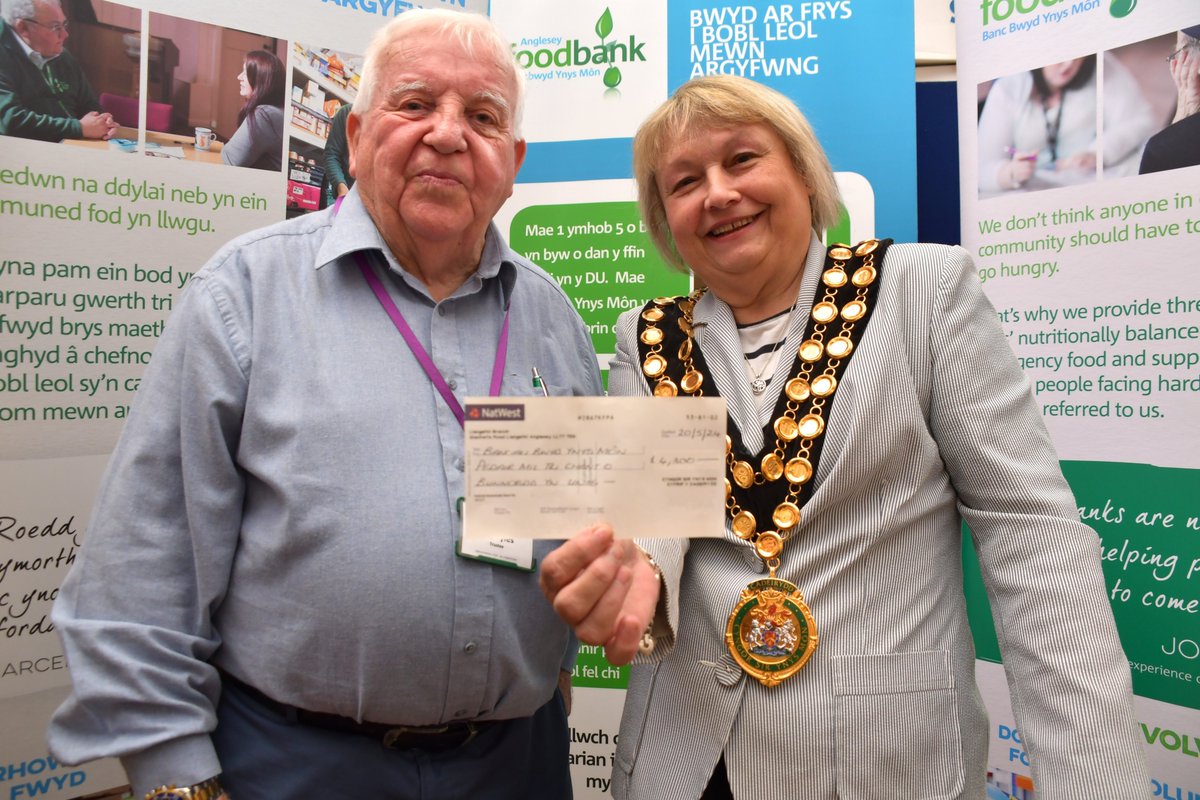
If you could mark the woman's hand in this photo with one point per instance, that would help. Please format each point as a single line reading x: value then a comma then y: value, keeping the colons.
x: 1017, y: 170
x: 604, y: 588
x: 1085, y: 162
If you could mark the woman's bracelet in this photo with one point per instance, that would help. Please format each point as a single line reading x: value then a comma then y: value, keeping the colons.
x: 646, y: 645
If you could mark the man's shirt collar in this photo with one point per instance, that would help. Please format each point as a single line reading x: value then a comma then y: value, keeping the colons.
x: 353, y: 229
x: 39, y: 60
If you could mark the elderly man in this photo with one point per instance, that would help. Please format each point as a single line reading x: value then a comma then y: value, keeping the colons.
x: 43, y: 91
x: 1178, y: 145
x: 273, y: 599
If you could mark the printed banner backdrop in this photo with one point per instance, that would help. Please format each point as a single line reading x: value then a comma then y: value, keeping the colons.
x: 935, y: 31
x: 100, y: 238
x: 1082, y: 210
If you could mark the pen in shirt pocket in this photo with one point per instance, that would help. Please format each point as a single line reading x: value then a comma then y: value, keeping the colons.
x: 539, y: 384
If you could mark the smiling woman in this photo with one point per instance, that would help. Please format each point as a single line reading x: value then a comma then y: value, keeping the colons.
x: 865, y: 387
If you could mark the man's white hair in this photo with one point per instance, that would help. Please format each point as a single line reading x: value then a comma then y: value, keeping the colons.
x: 15, y: 10
x: 477, y: 34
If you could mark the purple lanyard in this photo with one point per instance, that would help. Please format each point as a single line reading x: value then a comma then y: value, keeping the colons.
x: 435, y: 376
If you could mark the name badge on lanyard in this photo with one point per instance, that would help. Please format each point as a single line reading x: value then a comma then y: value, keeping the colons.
x: 515, y: 554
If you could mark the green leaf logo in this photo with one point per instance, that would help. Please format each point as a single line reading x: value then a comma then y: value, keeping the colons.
x: 604, y: 25
x: 612, y: 77
x: 1121, y: 8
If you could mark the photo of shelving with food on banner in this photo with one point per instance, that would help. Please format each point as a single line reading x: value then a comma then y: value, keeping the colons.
x: 324, y: 85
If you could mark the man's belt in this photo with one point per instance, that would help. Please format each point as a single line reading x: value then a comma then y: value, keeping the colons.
x: 432, y: 738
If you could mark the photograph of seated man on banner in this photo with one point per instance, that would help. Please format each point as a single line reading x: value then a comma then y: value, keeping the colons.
x: 1177, y: 57
x: 214, y: 95
x: 58, y: 70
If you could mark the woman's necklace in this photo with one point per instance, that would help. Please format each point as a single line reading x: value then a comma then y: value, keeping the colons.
x: 1052, y: 126
x: 757, y: 384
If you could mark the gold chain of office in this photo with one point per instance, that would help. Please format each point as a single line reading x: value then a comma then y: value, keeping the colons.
x: 835, y: 325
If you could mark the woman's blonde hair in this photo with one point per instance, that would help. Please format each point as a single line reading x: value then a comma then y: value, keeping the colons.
x: 723, y: 101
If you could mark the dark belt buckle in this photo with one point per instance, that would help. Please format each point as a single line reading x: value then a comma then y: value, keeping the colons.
x: 440, y: 737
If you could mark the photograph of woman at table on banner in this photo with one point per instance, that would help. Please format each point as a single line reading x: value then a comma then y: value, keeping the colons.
x: 258, y: 141
x: 214, y: 95
x: 1038, y: 128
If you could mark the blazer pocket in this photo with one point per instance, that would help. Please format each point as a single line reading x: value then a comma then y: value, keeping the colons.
x: 633, y: 719
x: 896, y: 726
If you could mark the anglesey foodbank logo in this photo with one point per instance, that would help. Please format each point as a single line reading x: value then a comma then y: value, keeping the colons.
x: 552, y: 58
x: 1017, y: 16
x: 604, y: 26
x: 1122, y: 8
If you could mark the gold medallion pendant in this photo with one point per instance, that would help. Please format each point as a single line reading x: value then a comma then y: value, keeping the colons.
x: 771, y: 633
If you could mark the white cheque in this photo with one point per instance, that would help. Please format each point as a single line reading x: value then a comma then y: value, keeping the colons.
x: 545, y: 467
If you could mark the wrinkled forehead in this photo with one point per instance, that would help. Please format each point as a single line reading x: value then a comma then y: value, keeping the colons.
x: 48, y: 12
x: 421, y: 56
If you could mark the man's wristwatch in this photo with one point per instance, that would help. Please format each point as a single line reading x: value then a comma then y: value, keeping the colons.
x: 206, y: 790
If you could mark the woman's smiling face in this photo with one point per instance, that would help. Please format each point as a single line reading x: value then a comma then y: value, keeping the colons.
x: 735, y: 205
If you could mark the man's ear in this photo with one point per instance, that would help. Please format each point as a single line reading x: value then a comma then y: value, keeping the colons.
x: 353, y: 126
x: 518, y: 159
x: 519, y: 150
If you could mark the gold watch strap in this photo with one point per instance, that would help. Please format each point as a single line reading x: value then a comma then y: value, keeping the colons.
x: 205, y: 790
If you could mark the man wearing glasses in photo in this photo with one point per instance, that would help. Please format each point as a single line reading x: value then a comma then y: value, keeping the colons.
x: 43, y: 91
x: 1178, y: 145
